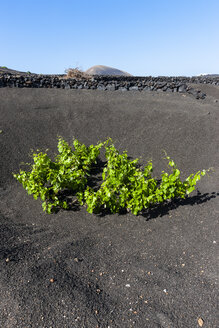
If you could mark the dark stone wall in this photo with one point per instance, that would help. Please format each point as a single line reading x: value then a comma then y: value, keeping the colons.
x: 123, y: 83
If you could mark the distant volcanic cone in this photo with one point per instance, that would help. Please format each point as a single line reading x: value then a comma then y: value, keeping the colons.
x: 105, y: 70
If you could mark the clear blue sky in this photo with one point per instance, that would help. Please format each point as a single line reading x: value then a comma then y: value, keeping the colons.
x: 142, y: 37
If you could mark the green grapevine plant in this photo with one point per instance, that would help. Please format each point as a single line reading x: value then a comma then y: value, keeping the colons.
x: 125, y: 185
x: 48, y: 178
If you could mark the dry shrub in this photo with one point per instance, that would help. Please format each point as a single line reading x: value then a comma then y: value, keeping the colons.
x: 76, y: 73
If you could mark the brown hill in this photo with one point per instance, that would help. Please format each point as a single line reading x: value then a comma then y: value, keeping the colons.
x: 4, y: 69
x: 105, y: 70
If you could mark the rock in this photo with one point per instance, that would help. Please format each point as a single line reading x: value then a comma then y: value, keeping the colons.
x: 160, y: 85
x: 193, y: 92
x: 147, y: 88
x: 67, y: 86
x: 202, y: 95
x: 182, y: 88
x: 134, y: 88
x: 100, y: 87
x: 111, y: 87
x: 123, y: 89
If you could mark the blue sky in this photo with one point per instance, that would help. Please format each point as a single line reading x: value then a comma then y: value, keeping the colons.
x: 142, y: 37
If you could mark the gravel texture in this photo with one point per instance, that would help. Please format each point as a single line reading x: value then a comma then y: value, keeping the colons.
x: 73, y: 269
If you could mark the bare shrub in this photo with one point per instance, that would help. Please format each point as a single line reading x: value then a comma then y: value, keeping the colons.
x: 76, y: 73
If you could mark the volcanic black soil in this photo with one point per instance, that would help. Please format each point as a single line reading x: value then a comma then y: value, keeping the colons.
x: 73, y: 269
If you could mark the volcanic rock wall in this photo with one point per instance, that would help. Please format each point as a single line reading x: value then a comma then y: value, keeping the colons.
x: 112, y: 83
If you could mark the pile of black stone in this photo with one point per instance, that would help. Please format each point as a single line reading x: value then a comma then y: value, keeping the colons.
x: 112, y: 83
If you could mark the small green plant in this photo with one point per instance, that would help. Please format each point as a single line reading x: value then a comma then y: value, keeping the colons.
x: 125, y: 185
x: 3, y: 66
x: 47, y: 178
